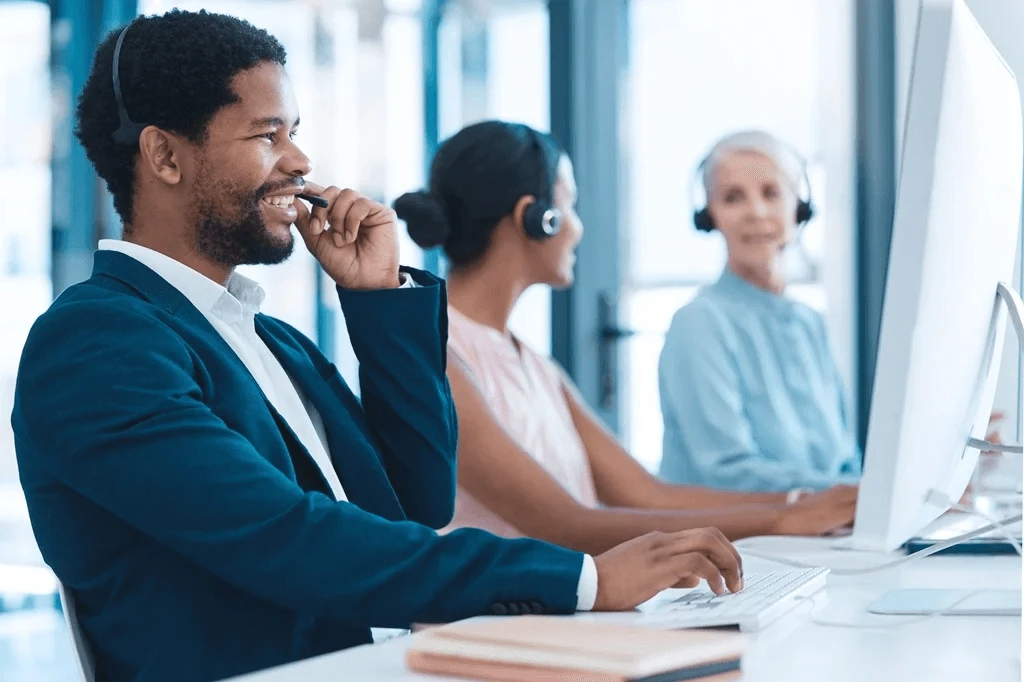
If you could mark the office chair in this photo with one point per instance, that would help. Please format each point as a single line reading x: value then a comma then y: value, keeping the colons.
x: 83, y: 654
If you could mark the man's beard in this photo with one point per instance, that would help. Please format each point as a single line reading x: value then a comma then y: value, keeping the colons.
x: 242, y: 238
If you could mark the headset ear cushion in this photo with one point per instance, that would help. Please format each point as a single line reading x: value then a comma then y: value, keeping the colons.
x: 541, y: 221
x: 552, y: 222
x: 804, y: 212
x: 703, y: 221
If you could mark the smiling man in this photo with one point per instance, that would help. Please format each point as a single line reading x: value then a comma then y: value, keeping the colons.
x: 198, y: 475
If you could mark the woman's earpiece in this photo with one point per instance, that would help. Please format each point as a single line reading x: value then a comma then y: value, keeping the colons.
x: 541, y: 221
x: 703, y: 221
x: 804, y: 208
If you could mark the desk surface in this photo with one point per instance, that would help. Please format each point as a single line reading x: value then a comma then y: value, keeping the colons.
x: 795, y: 649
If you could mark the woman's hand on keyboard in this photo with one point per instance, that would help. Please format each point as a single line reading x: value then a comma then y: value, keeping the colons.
x: 635, y: 571
x: 820, y: 513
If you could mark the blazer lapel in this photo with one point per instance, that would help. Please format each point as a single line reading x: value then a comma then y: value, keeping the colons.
x: 157, y: 290
x: 350, y: 444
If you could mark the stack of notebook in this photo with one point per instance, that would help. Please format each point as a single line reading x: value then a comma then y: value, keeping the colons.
x: 561, y: 649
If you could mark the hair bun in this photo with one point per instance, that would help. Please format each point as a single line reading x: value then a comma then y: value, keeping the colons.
x: 424, y: 217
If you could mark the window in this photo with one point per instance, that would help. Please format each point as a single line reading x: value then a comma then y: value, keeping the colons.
x: 25, y: 236
x: 494, y: 64
x: 358, y: 76
x: 697, y: 71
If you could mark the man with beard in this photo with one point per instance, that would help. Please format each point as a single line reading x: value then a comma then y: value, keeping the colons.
x: 199, y: 477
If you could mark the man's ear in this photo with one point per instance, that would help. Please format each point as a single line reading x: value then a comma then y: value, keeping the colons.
x: 159, y: 155
x: 519, y: 211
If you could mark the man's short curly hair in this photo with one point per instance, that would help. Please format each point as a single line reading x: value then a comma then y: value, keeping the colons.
x: 175, y: 73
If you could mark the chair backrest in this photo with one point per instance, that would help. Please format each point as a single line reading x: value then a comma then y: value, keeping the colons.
x: 83, y: 654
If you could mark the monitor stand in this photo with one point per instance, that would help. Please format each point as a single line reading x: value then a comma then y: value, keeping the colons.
x: 1015, y: 309
x: 964, y: 601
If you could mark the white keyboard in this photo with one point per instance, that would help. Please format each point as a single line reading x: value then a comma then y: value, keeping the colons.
x: 764, y: 598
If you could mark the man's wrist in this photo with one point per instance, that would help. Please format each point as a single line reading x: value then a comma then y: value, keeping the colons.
x: 586, y: 589
x: 402, y: 280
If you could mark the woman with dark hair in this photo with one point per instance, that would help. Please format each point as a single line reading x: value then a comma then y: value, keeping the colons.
x: 533, y: 459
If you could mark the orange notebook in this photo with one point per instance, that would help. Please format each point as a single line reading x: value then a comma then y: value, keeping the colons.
x: 563, y: 649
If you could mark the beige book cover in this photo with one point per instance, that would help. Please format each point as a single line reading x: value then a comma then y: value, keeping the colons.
x: 559, y: 648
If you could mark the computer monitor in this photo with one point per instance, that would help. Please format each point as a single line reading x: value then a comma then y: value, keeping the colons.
x: 954, y: 239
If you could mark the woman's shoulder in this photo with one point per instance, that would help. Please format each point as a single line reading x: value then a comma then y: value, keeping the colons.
x: 467, y: 339
x: 702, y: 316
x: 810, y: 316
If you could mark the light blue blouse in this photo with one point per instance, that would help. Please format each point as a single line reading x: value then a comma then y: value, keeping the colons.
x: 751, y: 396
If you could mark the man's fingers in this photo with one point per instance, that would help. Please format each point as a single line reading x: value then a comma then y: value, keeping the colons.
x: 380, y: 215
x: 720, y: 551
x: 700, y: 565
x: 688, y: 581
x: 339, y: 238
x: 354, y: 218
x: 347, y: 211
x: 726, y: 556
x: 710, y: 543
x: 302, y: 224
x: 320, y: 217
x: 302, y: 219
x: 732, y: 549
x: 339, y: 212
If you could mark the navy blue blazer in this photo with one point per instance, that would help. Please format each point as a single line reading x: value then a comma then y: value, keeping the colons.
x: 196, y: 533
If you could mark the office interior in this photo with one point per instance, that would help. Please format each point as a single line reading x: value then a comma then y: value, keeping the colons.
x: 637, y: 91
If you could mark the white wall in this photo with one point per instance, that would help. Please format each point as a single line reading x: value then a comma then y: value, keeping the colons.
x: 1003, y: 21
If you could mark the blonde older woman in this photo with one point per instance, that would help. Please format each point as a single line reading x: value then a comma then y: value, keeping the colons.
x: 750, y: 393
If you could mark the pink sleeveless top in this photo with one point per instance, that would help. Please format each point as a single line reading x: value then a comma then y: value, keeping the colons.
x: 523, y: 390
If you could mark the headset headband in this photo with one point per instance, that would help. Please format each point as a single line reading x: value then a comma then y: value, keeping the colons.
x: 128, y: 131
x: 804, y: 205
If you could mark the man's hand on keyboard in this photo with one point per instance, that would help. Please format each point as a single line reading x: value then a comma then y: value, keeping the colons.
x: 821, y: 513
x: 636, y: 571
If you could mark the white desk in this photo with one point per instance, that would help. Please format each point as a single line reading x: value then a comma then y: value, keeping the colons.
x: 794, y: 649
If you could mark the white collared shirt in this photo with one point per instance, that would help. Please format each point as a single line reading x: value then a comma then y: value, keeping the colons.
x: 231, y: 311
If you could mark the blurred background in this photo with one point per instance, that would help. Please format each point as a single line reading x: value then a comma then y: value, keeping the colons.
x: 637, y: 90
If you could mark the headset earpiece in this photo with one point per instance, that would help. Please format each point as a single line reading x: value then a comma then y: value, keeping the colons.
x: 703, y: 221
x: 804, y: 212
x: 541, y: 221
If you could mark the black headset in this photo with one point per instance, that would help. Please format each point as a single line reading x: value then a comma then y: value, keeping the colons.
x: 128, y: 132
x: 703, y: 221
x: 541, y: 220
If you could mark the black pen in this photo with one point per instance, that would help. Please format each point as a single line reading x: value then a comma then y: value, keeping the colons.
x: 316, y: 201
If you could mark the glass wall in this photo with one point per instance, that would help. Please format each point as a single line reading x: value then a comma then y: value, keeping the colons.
x: 697, y: 71
x: 24, y: 232
x: 358, y: 75
x: 494, y: 64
